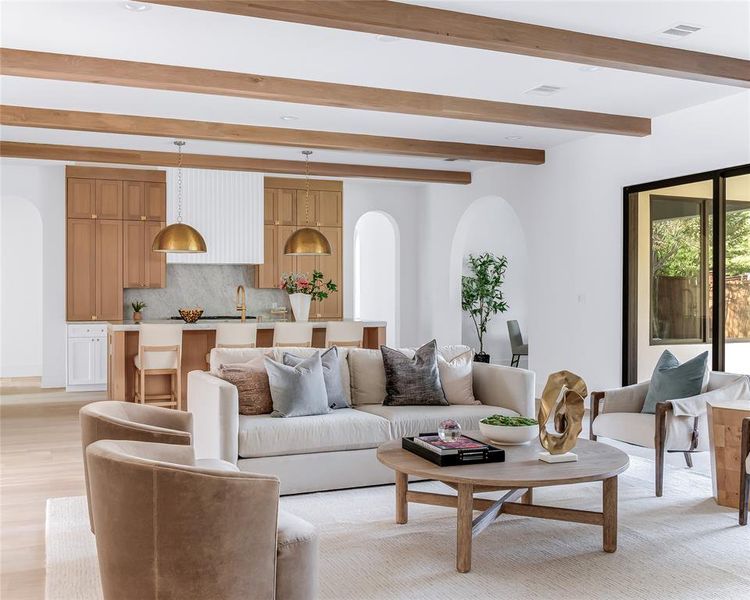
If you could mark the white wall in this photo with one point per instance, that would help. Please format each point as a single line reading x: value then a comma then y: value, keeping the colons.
x: 20, y: 288
x: 44, y: 187
x: 376, y: 267
x: 404, y: 204
x: 491, y: 225
x: 571, y: 211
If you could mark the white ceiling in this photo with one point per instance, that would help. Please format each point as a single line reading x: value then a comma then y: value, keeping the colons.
x: 201, y: 39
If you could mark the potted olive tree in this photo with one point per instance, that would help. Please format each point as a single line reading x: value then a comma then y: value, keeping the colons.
x: 481, y: 296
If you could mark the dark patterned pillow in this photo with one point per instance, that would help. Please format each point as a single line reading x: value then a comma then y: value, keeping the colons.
x: 412, y: 381
x: 253, y: 390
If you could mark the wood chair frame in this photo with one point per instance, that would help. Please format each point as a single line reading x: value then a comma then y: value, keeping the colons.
x: 660, y: 437
x: 174, y: 398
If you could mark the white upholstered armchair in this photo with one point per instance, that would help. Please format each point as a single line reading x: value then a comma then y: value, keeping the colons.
x: 678, y: 426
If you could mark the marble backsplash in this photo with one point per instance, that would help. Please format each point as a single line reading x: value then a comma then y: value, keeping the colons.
x: 212, y: 287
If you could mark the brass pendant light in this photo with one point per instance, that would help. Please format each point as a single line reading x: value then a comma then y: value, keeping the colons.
x: 307, y: 241
x: 179, y: 237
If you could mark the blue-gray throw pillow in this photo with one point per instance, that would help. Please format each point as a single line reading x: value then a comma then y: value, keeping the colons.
x: 672, y: 380
x: 297, y: 391
x: 412, y: 381
x: 331, y: 375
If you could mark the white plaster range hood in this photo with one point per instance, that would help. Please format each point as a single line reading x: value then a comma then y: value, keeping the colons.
x: 226, y: 207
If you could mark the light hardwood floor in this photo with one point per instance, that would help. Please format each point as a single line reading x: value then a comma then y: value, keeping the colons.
x: 40, y: 458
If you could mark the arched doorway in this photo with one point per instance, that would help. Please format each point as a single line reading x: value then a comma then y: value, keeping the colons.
x: 490, y: 224
x: 20, y: 288
x: 376, y: 271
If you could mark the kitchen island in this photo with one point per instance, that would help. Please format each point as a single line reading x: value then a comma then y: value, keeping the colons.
x: 197, y: 340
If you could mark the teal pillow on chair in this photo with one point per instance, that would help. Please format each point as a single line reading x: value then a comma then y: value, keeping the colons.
x: 672, y: 380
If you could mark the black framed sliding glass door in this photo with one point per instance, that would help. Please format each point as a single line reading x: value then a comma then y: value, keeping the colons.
x: 681, y: 236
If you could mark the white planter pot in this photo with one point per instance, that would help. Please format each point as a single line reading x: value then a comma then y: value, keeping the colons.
x: 300, y: 306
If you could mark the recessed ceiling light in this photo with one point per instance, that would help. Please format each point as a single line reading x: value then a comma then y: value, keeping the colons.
x: 588, y: 68
x: 289, y: 118
x: 136, y: 6
x: 513, y: 138
x: 388, y: 39
x: 544, y: 90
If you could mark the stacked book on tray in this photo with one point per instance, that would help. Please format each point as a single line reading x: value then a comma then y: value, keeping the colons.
x: 462, y: 450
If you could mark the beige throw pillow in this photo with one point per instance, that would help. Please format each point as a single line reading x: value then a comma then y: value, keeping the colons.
x: 456, y: 377
x: 253, y: 389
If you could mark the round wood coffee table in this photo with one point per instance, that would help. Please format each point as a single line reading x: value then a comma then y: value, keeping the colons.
x: 521, y: 472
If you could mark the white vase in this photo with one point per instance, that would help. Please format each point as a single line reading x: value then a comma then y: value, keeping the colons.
x: 300, y: 306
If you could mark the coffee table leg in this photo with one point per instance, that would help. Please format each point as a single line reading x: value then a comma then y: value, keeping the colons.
x: 609, y: 503
x: 402, y: 506
x: 463, y: 527
x: 528, y: 496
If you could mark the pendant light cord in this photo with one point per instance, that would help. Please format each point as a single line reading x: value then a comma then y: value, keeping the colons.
x: 307, y: 154
x: 179, y: 145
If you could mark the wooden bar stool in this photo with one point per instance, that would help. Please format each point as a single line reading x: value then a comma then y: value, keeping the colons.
x: 235, y: 335
x: 293, y: 335
x: 159, y: 353
x: 344, y: 333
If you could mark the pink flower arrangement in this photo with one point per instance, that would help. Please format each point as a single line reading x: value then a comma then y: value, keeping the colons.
x: 300, y: 283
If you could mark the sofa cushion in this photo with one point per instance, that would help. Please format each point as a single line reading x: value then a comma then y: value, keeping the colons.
x: 639, y: 429
x: 413, y: 380
x: 331, y: 375
x: 297, y: 391
x: 251, y: 381
x: 304, y: 352
x: 456, y: 377
x: 344, y: 429
x: 413, y: 420
x: 672, y: 380
x: 368, y: 374
x: 234, y: 357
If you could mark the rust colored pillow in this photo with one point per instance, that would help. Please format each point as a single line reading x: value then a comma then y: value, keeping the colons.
x: 253, y: 390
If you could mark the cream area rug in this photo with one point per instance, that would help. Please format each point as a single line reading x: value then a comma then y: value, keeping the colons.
x: 677, y: 547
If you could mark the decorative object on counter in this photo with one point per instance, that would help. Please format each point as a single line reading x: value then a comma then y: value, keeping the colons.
x: 307, y: 241
x: 449, y: 430
x: 562, y: 397
x: 302, y: 289
x: 509, y: 430
x: 190, y: 315
x: 481, y: 296
x: 138, y: 306
x: 179, y: 237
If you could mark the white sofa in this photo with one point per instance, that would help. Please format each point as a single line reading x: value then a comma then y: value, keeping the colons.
x: 336, y: 450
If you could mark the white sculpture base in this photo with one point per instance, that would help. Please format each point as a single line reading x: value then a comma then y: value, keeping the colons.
x: 558, y: 458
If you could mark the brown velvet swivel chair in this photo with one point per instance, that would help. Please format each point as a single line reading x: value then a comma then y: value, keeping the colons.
x: 110, y: 420
x: 168, y: 528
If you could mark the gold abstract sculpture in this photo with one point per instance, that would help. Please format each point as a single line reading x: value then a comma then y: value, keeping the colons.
x: 563, y: 395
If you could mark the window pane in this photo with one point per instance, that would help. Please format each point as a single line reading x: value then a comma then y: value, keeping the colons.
x: 737, y: 282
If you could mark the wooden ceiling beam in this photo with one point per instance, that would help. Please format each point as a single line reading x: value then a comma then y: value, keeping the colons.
x: 224, y: 163
x: 67, y: 67
x: 24, y: 116
x: 474, y: 31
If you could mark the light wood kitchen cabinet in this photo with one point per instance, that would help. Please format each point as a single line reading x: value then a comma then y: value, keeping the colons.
x: 81, y: 198
x: 285, y: 202
x: 155, y: 199
x: 142, y: 267
x: 332, y: 268
x: 109, y: 294
x: 267, y: 274
x: 81, y: 271
x: 94, y: 273
x: 113, y: 216
x: 108, y: 199
x: 307, y: 208
x: 155, y: 272
x: 329, y: 209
